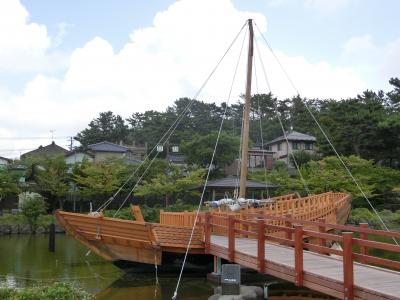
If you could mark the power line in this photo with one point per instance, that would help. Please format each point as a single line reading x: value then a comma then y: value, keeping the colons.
x: 34, y: 137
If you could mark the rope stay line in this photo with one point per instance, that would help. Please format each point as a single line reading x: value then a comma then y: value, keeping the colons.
x: 174, y: 124
x: 236, y: 191
x: 208, y: 173
x: 290, y: 150
x: 328, y: 140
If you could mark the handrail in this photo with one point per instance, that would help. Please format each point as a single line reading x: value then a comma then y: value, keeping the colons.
x: 312, y: 207
x: 294, y: 235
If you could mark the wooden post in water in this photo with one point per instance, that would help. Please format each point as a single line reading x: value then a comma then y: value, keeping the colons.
x: 52, y: 237
x: 246, y: 115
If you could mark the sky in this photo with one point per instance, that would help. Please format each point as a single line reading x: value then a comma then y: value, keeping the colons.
x: 64, y: 62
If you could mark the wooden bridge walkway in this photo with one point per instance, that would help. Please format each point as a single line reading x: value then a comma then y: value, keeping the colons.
x: 296, y: 251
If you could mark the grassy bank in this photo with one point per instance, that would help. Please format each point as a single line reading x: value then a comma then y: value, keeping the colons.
x: 364, y: 215
x: 57, y: 291
x: 18, y: 219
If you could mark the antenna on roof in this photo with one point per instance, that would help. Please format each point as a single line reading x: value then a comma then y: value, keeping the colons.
x: 52, y: 134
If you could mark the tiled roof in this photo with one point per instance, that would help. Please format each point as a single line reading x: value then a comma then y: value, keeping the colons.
x: 108, y: 147
x: 293, y: 136
x: 46, y: 151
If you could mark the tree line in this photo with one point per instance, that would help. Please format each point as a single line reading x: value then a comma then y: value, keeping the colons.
x: 367, y: 125
x: 365, y: 129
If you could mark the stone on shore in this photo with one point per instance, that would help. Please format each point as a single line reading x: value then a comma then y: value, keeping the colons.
x: 246, y: 293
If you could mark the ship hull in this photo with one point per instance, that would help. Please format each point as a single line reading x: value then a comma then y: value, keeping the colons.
x: 171, y: 263
x: 139, y: 245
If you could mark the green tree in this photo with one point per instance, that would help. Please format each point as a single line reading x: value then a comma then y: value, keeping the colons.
x: 53, y: 178
x: 8, y: 184
x: 99, y: 178
x: 172, y: 184
x: 302, y: 157
x: 200, y: 149
x: 32, y: 205
x: 328, y: 174
x: 107, y: 127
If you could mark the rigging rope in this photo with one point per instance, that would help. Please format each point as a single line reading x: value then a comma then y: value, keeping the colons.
x: 208, y: 175
x: 289, y: 147
x: 327, y: 138
x: 179, y: 118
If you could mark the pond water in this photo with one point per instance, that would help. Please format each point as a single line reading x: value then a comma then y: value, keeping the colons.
x: 25, y: 261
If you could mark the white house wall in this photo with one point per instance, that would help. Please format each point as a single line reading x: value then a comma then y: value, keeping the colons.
x: 77, y: 158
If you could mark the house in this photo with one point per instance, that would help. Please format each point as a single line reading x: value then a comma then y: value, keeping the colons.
x: 296, y: 141
x: 139, y: 151
x: 257, y: 159
x: 77, y: 156
x: 4, y: 161
x: 106, y: 150
x: 44, y: 152
x: 174, y: 155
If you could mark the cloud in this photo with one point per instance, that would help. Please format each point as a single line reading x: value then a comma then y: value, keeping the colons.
x: 377, y: 62
x: 24, y: 45
x: 325, y: 6
x: 159, y: 64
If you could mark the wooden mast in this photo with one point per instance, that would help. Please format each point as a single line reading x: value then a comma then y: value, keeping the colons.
x: 246, y: 114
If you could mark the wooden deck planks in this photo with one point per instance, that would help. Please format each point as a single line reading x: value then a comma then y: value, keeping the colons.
x: 371, y: 282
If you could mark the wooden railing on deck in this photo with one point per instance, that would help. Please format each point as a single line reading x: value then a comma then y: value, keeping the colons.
x: 185, y: 218
x: 294, y: 232
x: 307, y: 208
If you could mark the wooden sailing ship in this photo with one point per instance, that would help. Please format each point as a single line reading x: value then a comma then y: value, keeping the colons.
x: 144, y: 243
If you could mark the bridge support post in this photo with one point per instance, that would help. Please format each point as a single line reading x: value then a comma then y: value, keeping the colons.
x: 207, y: 232
x: 363, y: 236
x: 298, y: 254
x: 261, y: 246
x: 231, y: 238
x: 348, y: 275
x: 217, y: 265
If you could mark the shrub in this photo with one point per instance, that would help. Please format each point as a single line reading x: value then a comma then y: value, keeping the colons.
x: 57, y: 291
x: 32, y: 205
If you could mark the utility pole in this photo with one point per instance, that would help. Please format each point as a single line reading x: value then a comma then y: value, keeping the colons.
x: 71, y: 143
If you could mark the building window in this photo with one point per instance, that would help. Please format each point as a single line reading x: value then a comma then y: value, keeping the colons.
x: 296, y: 146
x: 175, y: 148
x: 279, y: 147
x: 160, y: 148
x: 308, y: 146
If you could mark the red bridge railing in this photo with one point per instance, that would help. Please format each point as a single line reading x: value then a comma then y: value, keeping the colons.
x: 303, y: 235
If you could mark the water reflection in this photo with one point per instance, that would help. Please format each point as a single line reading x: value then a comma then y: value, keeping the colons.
x: 136, y: 286
x: 141, y: 287
x: 25, y: 260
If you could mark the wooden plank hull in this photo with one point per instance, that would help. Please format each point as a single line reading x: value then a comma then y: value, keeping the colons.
x: 141, y: 242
